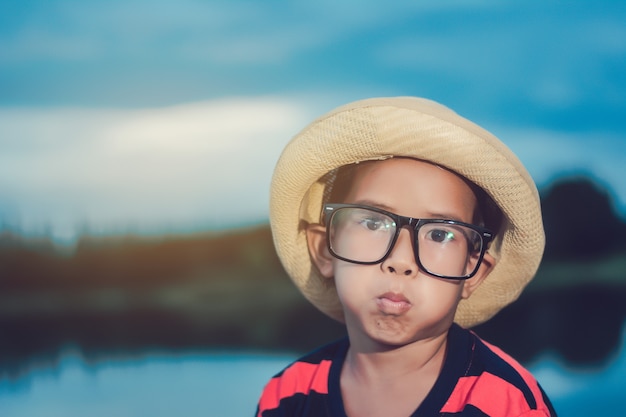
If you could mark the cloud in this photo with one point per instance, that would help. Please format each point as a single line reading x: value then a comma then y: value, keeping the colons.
x: 551, y: 76
x: 223, y: 32
x: 204, y: 164
x: 528, y: 59
x: 201, y: 165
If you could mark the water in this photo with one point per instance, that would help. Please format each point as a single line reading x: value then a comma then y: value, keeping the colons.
x: 219, y: 384
x: 228, y: 384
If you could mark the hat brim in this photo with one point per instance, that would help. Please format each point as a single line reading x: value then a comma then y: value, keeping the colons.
x: 381, y: 128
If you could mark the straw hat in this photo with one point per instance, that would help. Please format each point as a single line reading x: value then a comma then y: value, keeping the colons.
x: 381, y: 128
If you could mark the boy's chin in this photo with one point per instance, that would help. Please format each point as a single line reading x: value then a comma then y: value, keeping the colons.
x: 391, y: 333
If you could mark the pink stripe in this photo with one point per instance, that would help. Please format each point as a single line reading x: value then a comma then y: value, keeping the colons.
x: 300, y: 378
x: 491, y: 394
x: 494, y: 395
x: 525, y: 374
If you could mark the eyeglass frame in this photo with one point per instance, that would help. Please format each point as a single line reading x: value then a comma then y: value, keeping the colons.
x: 413, y: 224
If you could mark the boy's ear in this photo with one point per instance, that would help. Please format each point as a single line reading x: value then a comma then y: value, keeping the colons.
x: 486, y: 266
x: 321, y: 257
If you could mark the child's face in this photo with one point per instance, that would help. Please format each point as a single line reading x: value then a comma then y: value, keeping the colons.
x: 394, y: 302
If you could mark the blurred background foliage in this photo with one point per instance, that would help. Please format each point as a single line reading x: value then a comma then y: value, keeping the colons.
x: 124, y: 295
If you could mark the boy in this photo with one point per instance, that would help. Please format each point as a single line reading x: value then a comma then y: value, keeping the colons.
x: 408, y: 223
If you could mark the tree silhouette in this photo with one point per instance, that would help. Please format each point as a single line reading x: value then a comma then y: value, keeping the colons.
x: 580, y: 221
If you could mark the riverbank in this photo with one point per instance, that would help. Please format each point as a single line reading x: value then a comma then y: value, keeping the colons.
x: 126, y: 295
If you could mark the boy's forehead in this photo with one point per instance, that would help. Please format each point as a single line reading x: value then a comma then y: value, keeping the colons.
x: 394, y: 180
x: 402, y: 165
x: 341, y: 180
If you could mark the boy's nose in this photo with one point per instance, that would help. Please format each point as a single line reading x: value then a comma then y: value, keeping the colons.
x: 401, y: 260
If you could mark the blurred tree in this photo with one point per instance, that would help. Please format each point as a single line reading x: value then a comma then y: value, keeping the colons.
x: 580, y: 220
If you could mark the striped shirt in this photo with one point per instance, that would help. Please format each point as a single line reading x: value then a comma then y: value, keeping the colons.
x: 477, y: 379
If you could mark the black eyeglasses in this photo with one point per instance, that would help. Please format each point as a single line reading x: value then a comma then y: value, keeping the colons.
x: 443, y: 248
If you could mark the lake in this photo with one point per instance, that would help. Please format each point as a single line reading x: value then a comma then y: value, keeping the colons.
x: 229, y: 383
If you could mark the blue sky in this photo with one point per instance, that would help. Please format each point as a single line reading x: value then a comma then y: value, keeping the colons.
x: 167, y: 116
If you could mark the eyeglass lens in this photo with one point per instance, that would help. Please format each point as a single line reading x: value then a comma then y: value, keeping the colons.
x: 363, y: 235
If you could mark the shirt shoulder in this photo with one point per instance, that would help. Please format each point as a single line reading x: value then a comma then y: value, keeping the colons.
x: 302, y: 385
x: 496, y: 385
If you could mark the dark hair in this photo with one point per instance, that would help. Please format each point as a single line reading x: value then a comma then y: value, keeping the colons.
x: 487, y: 212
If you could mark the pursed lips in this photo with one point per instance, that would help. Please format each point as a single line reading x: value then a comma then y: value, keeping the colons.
x: 393, y: 303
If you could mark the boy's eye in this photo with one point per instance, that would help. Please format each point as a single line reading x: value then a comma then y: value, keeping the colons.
x: 374, y: 223
x: 440, y: 235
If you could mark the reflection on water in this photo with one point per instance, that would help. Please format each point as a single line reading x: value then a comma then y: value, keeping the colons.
x: 228, y: 384
x: 156, y: 385
x: 584, y: 392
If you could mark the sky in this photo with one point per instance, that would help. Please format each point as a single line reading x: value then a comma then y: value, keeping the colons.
x: 162, y: 116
